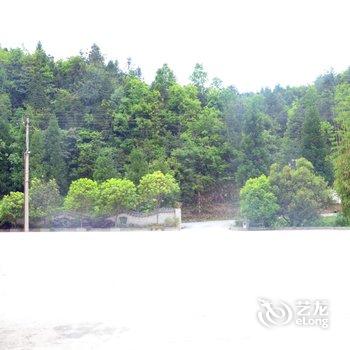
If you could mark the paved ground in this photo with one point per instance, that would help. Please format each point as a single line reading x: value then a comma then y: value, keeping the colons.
x: 193, y: 289
x: 207, y: 225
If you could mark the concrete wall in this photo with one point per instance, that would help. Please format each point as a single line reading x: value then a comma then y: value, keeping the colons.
x: 163, y: 216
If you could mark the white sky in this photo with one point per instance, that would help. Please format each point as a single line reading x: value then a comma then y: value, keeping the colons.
x: 246, y: 43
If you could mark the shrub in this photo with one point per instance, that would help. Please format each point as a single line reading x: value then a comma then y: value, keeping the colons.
x: 11, y: 207
x: 301, y: 194
x: 258, y: 202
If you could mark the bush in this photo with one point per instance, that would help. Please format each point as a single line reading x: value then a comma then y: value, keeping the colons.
x: 117, y: 195
x: 44, y: 199
x: 301, y: 194
x: 258, y: 203
x: 158, y: 189
x: 11, y: 207
x: 82, y: 197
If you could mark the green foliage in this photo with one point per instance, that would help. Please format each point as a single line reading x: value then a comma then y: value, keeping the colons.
x: 91, y: 119
x: 253, y: 156
x: 290, y: 196
x: 157, y: 190
x: 299, y: 191
x: 258, y: 202
x: 11, y: 207
x: 5, y: 142
x: 137, y: 165
x: 342, y: 159
x: 313, y: 146
x: 337, y: 220
x: 105, y: 165
x: 53, y: 157
x: 164, y: 79
x: 117, y: 195
x: 200, y: 159
x: 199, y: 78
x: 82, y: 197
x: 44, y: 198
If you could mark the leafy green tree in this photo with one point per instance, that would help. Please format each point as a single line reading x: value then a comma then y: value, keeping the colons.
x: 95, y: 55
x: 301, y: 194
x: 258, y: 202
x: 11, y: 208
x: 105, y: 166
x: 163, y: 80
x: 293, y: 135
x: 136, y: 106
x: 117, y: 195
x: 158, y: 189
x: 313, y: 142
x: 37, y: 154
x: 199, y: 79
x: 53, y: 157
x: 276, y: 107
x: 16, y: 152
x: 342, y: 157
x: 41, y: 78
x: 89, y: 145
x: 5, y: 142
x: 325, y: 86
x: 253, y: 157
x: 82, y: 198
x: 200, y: 160
x: 209, y: 137
x: 137, y: 165
x: 68, y: 108
x: 44, y: 199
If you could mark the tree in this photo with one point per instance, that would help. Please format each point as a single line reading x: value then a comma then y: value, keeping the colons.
x: 37, y: 154
x: 89, y: 146
x: 54, y: 154
x: 40, y: 78
x: 325, y: 85
x: 82, y: 198
x: 11, y: 207
x: 342, y: 156
x: 158, y: 189
x: 200, y: 159
x: 258, y: 202
x: 293, y: 135
x: 253, y: 157
x: 5, y: 142
x: 44, y: 199
x: 313, y: 146
x: 105, y: 165
x: 137, y: 165
x: 117, y: 195
x: 164, y: 79
x: 68, y: 108
x: 95, y: 56
x: 93, y: 119
x: 299, y: 191
x: 199, y: 79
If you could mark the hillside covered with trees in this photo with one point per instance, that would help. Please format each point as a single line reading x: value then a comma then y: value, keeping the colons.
x: 91, y: 119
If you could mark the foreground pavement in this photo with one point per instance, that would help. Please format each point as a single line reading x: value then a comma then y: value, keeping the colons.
x: 193, y: 289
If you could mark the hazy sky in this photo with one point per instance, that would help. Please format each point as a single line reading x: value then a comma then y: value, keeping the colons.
x: 246, y: 43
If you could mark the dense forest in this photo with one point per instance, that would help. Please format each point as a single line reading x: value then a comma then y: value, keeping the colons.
x: 91, y: 119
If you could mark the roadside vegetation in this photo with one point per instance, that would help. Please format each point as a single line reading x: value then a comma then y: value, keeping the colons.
x: 100, y: 136
x: 87, y: 198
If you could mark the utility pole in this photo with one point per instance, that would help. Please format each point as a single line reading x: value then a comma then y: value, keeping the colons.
x: 26, y: 179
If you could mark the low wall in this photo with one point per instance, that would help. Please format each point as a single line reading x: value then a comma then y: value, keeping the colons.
x: 164, y: 216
